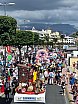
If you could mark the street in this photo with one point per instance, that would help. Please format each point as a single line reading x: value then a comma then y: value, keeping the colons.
x: 53, y: 96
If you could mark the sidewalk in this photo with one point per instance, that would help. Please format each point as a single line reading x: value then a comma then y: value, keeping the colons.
x: 69, y: 94
x: 68, y: 88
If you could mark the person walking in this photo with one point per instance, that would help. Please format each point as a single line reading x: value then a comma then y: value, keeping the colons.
x: 46, y: 75
x: 51, y: 77
x: 13, y: 88
x: 7, y: 90
x: 63, y: 83
x: 72, y: 80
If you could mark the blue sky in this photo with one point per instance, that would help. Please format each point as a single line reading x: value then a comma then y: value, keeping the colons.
x: 48, y: 11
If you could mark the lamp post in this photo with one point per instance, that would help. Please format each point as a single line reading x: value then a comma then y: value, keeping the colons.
x: 6, y: 4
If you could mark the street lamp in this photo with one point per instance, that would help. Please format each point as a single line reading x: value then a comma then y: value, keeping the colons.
x: 6, y: 4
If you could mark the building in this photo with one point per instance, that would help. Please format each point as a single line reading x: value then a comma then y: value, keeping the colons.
x: 47, y: 32
x: 52, y: 35
x: 69, y: 40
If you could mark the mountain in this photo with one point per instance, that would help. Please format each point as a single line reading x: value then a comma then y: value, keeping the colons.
x: 62, y: 28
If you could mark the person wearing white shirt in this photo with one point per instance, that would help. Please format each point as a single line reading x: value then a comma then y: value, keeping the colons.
x: 51, y: 77
x: 46, y: 76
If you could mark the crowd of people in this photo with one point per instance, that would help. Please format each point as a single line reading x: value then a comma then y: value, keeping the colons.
x: 48, y: 67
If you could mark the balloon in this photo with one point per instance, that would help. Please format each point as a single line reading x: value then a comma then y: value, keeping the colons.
x: 9, y: 57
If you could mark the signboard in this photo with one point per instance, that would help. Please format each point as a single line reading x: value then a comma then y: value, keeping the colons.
x: 29, y: 98
x: 72, y: 60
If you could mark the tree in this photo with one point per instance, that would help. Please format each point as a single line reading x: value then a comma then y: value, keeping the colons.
x: 75, y: 34
x: 46, y: 38
x: 35, y: 38
x: 23, y: 38
x: 55, y: 40
x: 8, y: 25
x: 62, y: 37
x: 5, y: 39
x: 7, y: 29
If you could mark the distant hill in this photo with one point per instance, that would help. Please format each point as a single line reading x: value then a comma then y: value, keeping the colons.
x: 63, y: 28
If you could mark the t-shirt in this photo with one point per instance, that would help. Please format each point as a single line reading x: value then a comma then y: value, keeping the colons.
x: 72, y: 80
x: 46, y: 74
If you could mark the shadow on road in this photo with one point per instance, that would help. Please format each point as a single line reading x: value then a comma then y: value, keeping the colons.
x: 3, y: 101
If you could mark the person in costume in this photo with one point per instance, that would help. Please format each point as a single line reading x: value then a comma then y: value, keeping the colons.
x: 34, y: 75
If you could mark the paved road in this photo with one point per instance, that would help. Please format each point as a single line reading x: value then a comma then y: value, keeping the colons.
x: 53, y: 96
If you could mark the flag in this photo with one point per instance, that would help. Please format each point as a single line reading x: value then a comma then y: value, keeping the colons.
x: 8, y: 49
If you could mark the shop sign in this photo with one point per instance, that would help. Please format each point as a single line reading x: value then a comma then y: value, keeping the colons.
x: 26, y: 98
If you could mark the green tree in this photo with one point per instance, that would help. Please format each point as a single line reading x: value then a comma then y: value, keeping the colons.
x: 8, y: 25
x: 35, y: 38
x: 46, y: 39
x: 55, y: 40
x: 62, y: 37
x: 5, y: 39
x: 23, y: 38
x: 7, y: 29
x: 75, y: 34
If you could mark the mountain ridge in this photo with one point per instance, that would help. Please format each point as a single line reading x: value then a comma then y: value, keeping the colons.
x: 62, y: 28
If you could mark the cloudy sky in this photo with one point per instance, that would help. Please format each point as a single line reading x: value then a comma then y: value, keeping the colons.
x: 52, y: 11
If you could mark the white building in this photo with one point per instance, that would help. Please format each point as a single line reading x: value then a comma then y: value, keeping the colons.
x: 52, y: 35
x: 47, y: 32
x: 69, y: 40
